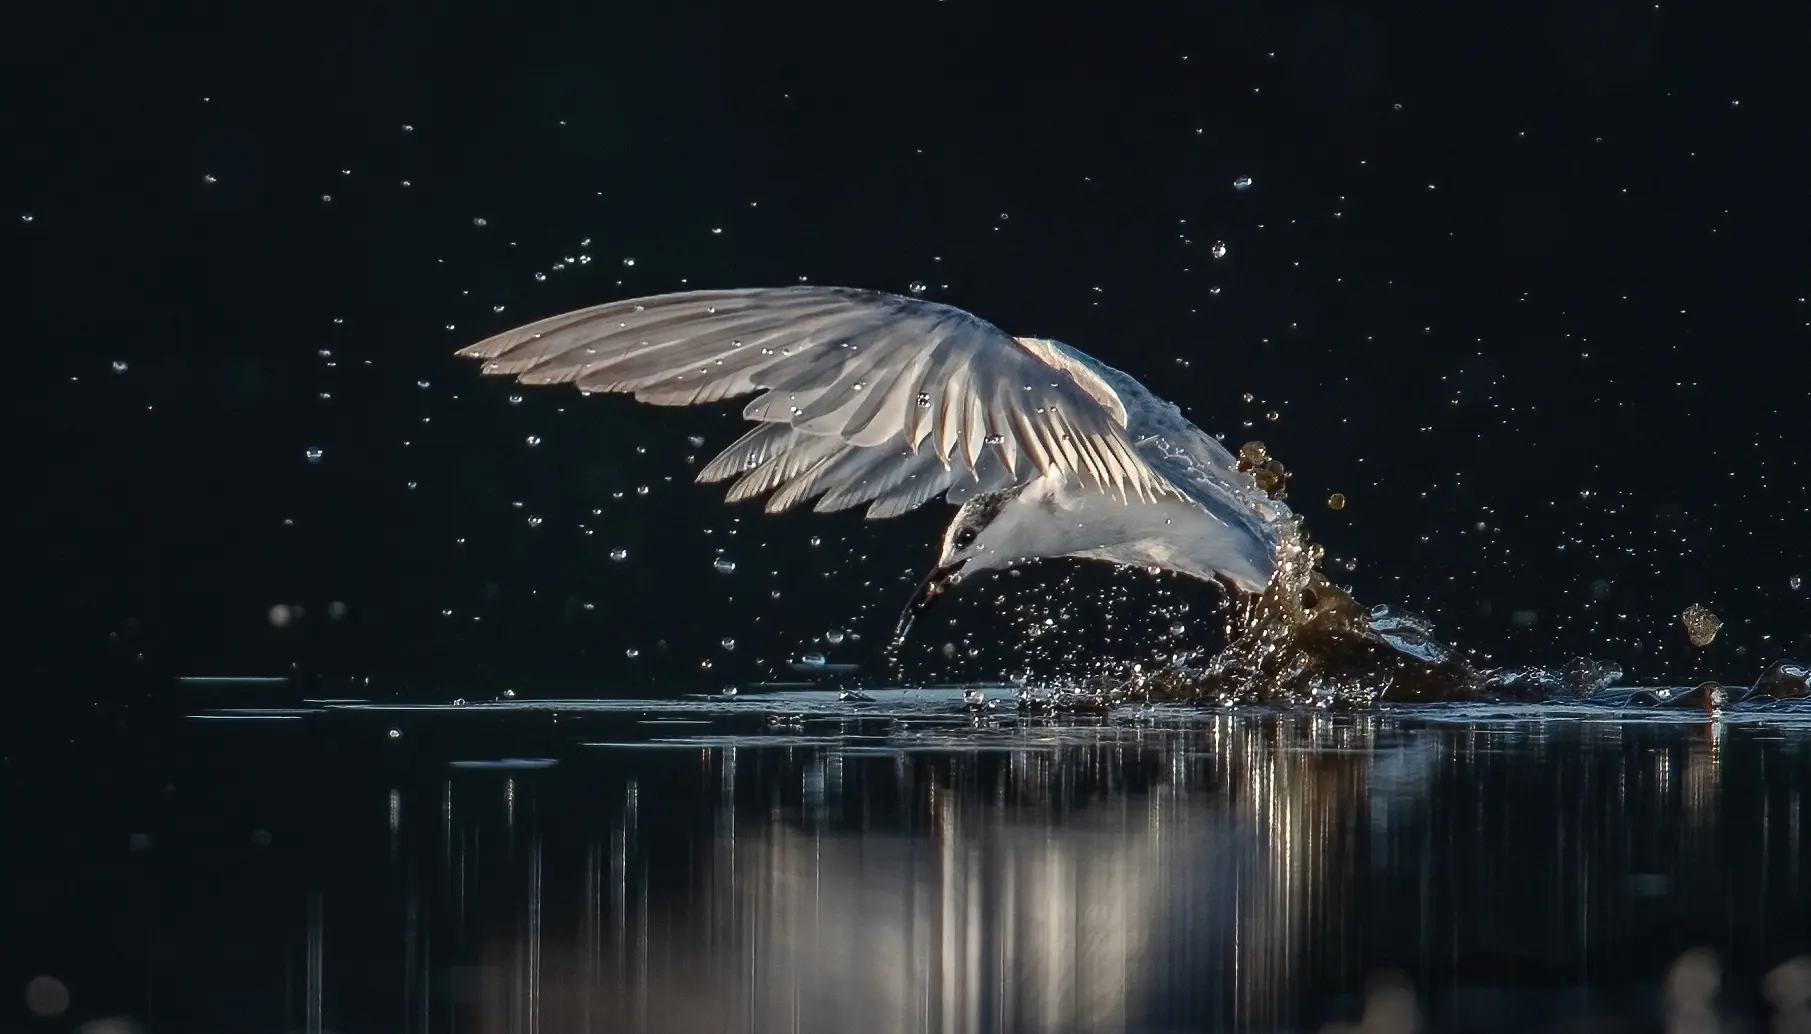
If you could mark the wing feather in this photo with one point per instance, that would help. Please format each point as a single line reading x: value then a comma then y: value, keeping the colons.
x: 860, y: 397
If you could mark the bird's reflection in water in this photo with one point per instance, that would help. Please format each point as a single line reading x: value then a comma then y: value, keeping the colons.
x: 1240, y: 873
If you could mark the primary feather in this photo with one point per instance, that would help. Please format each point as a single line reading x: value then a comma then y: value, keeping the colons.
x: 861, y: 397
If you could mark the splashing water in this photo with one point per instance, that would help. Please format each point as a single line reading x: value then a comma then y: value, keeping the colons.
x: 1304, y: 641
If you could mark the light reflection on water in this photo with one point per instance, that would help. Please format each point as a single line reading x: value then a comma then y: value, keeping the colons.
x: 679, y: 868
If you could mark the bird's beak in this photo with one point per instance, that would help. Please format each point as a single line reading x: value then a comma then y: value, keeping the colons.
x: 934, y: 586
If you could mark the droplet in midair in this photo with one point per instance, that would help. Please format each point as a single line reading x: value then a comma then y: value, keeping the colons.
x: 119, y: 366
x: 314, y: 454
x: 1336, y: 501
x: 724, y: 565
x: 1242, y: 183
x: 619, y: 554
x: 834, y: 637
x: 919, y: 287
x: 1701, y: 625
x: 1219, y: 250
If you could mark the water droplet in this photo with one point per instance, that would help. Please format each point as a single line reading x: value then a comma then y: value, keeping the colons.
x: 1219, y: 250
x: 628, y: 262
x: 994, y: 439
x: 540, y: 276
x: 1336, y: 501
x: 209, y: 179
x: 728, y: 643
x: 924, y: 400
x: 480, y: 222
x: 26, y: 217
x: 1794, y: 583
x: 834, y: 637
x: 1701, y: 625
x: 1273, y: 416
x: 1213, y: 290
x: 534, y: 522
x: 724, y: 565
x: 974, y: 697
x: 119, y: 366
x: 314, y: 454
x: 919, y: 287
x: 728, y: 691
x: 619, y: 554
x: 1178, y: 628
x: 641, y: 490
x: 812, y: 660
x: 396, y: 734
x: 631, y: 653
x: 816, y: 541
x: 423, y: 385
x: 696, y: 441
x: 515, y: 400
x: 534, y: 439
x: 1242, y: 183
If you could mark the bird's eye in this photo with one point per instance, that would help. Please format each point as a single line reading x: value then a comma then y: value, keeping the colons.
x: 965, y: 538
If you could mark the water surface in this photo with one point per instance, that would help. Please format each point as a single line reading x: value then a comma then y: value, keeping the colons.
x: 791, y: 861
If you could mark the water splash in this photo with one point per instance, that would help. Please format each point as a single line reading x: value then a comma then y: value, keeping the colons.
x: 1305, y: 642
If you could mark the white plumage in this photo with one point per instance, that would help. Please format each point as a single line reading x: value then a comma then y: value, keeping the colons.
x: 887, y: 401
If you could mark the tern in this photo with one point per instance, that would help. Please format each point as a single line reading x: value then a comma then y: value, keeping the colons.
x: 890, y: 401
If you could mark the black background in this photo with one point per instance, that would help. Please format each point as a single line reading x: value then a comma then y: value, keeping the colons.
x: 1535, y: 269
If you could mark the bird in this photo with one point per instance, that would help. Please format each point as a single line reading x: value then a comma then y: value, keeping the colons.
x: 864, y: 397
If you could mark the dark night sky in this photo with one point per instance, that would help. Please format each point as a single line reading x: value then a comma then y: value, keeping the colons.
x: 1527, y: 282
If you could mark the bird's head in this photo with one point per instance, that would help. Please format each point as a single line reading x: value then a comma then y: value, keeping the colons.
x: 965, y: 551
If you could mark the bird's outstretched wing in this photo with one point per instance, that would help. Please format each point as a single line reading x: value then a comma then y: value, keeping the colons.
x: 865, y: 397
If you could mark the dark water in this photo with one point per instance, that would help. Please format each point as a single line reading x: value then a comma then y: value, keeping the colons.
x: 790, y: 862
